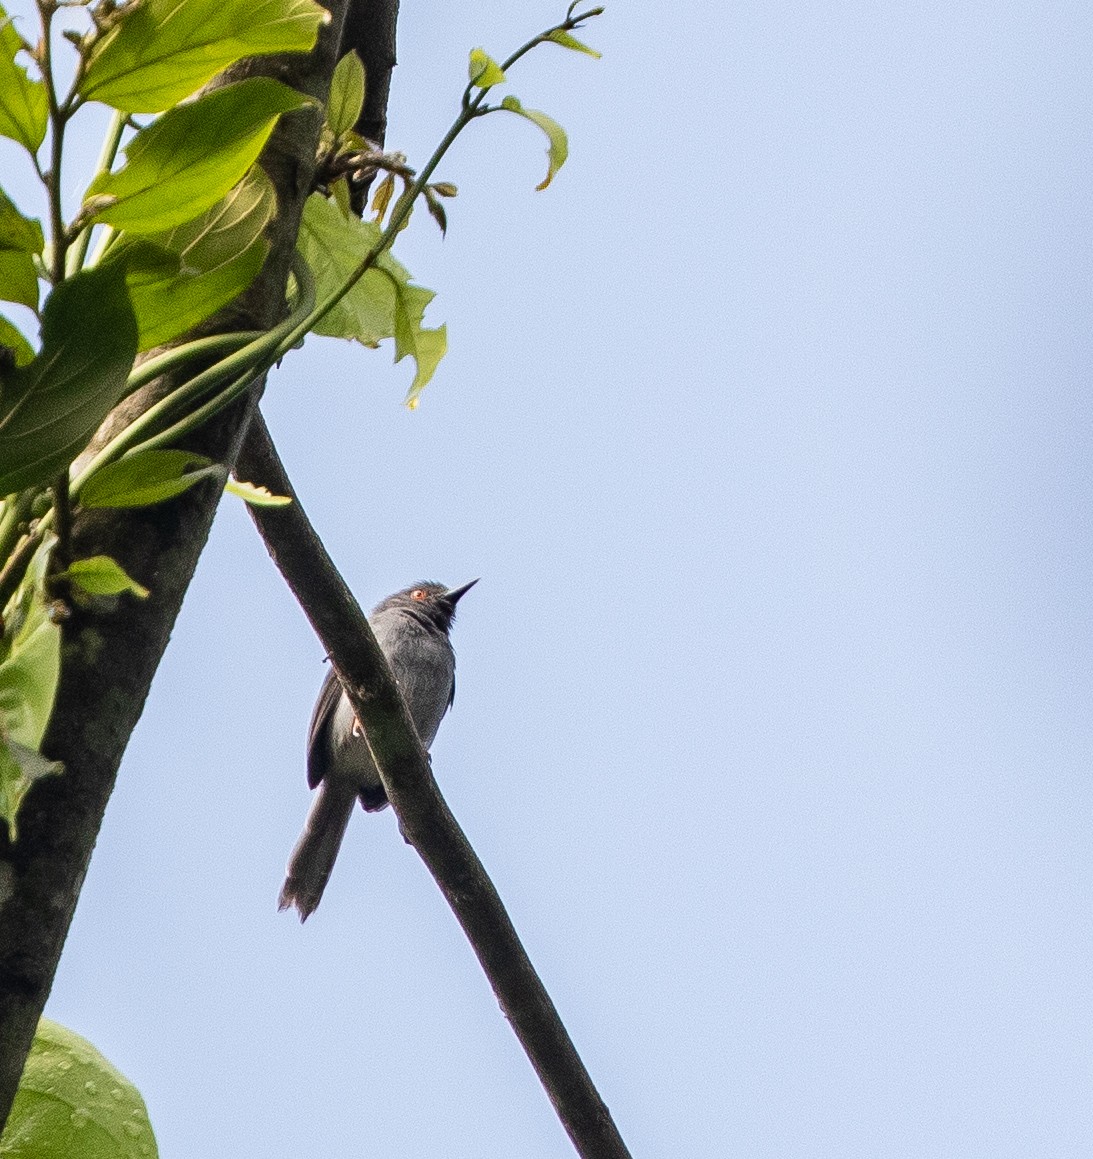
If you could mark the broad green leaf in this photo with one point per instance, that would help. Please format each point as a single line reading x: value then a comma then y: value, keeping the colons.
x: 383, y: 304
x: 185, y: 162
x: 99, y: 575
x: 146, y: 478
x: 425, y: 347
x: 20, y: 240
x: 483, y: 70
x: 51, y: 407
x: 346, y: 94
x: 183, y: 276
x: 566, y: 41
x: 30, y: 659
x: 72, y: 1104
x: 24, y: 104
x: 254, y: 495
x: 557, y: 146
x: 162, y: 51
x: 13, y: 339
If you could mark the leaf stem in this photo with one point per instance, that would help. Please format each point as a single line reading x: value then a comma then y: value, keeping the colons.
x: 248, y: 363
x: 110, y: 145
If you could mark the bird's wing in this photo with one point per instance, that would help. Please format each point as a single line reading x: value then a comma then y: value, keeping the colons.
x: 318, y: 747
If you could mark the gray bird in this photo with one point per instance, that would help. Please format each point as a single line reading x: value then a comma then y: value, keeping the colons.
x: 412, y: 629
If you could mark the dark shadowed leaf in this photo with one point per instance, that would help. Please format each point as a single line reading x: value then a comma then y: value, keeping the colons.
x: 190, y: 158
x: 165, y: 50
x: 51, y: 407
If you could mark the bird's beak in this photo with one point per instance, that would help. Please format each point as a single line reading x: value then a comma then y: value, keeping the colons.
x: 453, y: 595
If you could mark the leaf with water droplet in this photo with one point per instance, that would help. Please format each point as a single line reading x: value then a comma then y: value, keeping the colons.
x: 59, y: 1112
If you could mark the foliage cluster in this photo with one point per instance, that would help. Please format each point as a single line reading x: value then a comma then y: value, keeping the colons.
x: 170, y: 230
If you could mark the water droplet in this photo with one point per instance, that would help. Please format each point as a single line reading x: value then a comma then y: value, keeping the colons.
x: 91, y: 1088
x: 131, y: 1129
x: 80, y: 1117
x: 116, y: 1093
x: 65, y: 1064
x: 136, y: 1113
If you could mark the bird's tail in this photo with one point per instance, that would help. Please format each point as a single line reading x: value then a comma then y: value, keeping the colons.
x: 313, y: 858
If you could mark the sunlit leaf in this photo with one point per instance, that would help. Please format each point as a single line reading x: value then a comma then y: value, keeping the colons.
x: 99, y: 575
x: 557, y: 145
x: 51, y: 407
x: 20, y: 240
x: 346, y: 94
x: 179, y: 278
x: 559, y: 36
x: 30, y: 659
x: 164, y: 50
x: 145, y: 478
x: 483, y: 70
x: 72, y: 1104
x: 187, y: 160
x: 383, y: 304
x: 255, y: 495
x: 24, y: 104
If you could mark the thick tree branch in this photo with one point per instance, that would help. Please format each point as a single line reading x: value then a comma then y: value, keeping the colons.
x: 370, y: 30
x: 424, y: 817
x: 110, y: 651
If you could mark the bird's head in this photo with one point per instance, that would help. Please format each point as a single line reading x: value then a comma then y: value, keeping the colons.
x: 434, y: 603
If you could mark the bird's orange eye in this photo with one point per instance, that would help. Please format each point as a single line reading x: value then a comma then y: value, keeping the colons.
x: 419, y: 594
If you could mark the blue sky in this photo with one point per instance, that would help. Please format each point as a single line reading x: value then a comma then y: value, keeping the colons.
x: 767, y: 428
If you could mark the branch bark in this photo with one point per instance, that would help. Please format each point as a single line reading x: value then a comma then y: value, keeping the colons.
x: 424, y: 817
x: 111, y: 652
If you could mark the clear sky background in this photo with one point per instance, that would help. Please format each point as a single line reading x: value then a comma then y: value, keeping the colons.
x: 768, y: 429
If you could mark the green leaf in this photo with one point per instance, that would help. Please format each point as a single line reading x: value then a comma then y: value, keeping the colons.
x: 99, y: 575
x: 256, y: 496
x: 557, y: 147
x: 161, y: 51
x: 20, y: 240
x: 13, y: 339
x: 425, y: 347
x: 146, y: 478
x: 346, y: 94
x: 30, y: 664
x: 383, y: 304
x: 24, y: 104
x: 483, y: 70
x: 185, y: 162
x: 51, y: 407
x: 179, y: 278
x: 566, y: 41
x: 72, y: 1104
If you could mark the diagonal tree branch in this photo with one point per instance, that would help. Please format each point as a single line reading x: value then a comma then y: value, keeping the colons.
x: 424, y: 817
x: 110, y: 651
